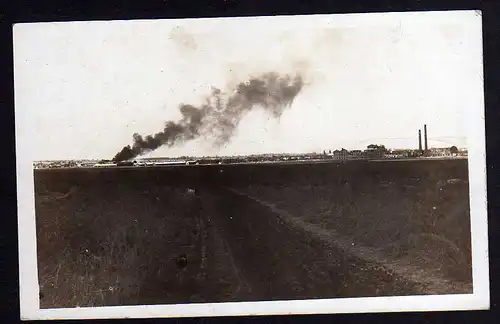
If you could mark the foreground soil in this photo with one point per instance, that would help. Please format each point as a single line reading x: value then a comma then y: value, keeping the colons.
x: 122, y: 245
x: 144, y: 238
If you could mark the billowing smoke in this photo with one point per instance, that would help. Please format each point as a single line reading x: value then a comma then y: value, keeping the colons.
x: 218, y: 118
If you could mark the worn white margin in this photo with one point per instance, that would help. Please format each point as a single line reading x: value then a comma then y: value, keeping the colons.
x: 480, y: 299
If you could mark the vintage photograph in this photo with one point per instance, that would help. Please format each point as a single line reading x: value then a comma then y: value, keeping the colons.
x: 259, y: 159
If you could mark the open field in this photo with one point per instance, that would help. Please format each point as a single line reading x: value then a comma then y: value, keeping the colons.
x: 121, y: 245
x: 271, y: 173
x: 118, y: 236
x: 407, y: 219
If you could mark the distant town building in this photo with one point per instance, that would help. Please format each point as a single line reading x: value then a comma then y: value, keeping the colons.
x: 463, y: 152
x: 356, y: 154
x: 340, y: 154
x: 399, y: 153
x: 440, y: 152
x: 375, y: 151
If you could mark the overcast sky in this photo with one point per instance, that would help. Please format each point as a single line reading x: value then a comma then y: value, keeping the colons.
x: 82, y: 89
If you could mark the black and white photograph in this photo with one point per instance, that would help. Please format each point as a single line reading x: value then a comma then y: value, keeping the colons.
x: 251, y: 166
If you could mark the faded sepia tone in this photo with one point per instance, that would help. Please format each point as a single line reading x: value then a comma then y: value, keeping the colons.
x: 198, y: 163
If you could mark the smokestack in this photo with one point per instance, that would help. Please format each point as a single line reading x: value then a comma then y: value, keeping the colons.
x: 419, y: 140
x: 425, y: 138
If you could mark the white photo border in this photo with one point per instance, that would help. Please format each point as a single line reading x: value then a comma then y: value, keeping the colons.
x: 479, y: 299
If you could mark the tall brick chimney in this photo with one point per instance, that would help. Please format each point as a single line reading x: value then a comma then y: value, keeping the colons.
x: 425, y: 138
x: 420, y: 141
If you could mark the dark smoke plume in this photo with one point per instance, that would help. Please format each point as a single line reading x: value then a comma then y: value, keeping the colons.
x: 219, y: 117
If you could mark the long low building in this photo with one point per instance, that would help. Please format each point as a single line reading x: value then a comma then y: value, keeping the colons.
x: 170, y: 163
x: 104, y: 165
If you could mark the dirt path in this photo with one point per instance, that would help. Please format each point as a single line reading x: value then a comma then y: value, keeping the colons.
x: 280, y: 262
x: 426, y: 280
